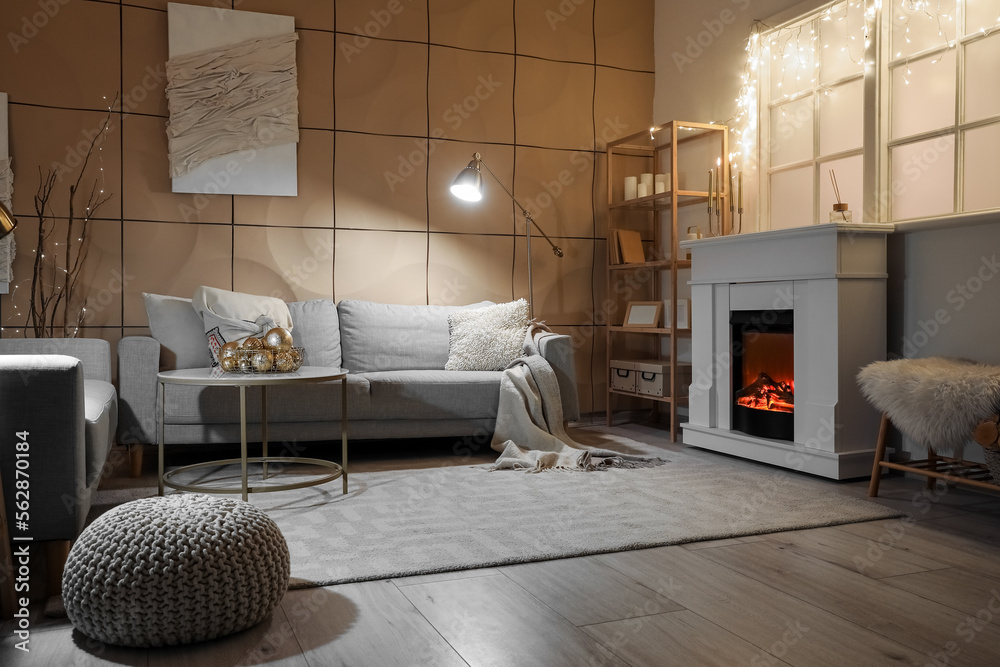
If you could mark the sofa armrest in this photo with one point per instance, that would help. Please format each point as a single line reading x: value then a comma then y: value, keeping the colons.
x: 138, y: 365
x: 44, y: 401
x: 558, y: 351
x: 95, y: 353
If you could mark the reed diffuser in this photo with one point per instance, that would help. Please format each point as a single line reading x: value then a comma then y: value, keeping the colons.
x: 840, y: 213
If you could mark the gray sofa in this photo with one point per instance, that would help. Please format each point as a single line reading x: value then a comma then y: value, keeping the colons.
x: 397, y: 387
x: 59, y: 391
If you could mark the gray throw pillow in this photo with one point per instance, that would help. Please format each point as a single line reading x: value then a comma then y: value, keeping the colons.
x: 178, y: 328
x: 487, y: 339
x: 317, y: 330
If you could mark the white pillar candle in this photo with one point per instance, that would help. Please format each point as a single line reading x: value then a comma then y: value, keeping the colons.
x: 642, y: 189
x: 630, y: 187
x: 647, y: 180
x: 660, y: 187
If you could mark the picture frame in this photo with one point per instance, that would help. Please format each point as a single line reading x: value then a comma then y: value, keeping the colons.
x: 643, y: 314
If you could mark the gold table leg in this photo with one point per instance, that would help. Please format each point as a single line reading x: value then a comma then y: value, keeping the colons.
x: 243, y: 437
x: 263, y: 424
x: 159, y: 455
x: 343, y: 428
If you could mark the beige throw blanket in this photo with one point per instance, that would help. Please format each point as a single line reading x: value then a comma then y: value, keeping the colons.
x: 530, y: 434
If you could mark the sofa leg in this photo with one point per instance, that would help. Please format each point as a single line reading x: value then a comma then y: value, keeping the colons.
x: 135, y: 459
x: 56, y: 553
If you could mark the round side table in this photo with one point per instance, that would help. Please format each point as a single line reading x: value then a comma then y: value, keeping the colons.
x: 211, y: 377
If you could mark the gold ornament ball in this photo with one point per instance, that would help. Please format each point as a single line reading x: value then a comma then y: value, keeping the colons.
x: 228, y: 350
x: 283, y: 362
x: 244, y: 365
x: 278, y: 339
x: 228, y: 364
x: 262, y: 361
x: 297, y: 359
x: 252, y: 343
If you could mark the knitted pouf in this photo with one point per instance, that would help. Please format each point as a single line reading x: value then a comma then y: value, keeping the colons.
x: 174, y: 570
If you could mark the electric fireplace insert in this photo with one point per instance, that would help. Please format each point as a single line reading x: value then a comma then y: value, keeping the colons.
x: 763, y: 400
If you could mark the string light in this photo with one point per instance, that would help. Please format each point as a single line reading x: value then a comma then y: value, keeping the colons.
x: 792, y: 52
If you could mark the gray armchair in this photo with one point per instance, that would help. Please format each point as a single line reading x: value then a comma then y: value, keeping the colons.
x: 59, y: 391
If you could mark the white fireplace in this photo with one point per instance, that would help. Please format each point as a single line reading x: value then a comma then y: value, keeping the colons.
x: 830, y: 281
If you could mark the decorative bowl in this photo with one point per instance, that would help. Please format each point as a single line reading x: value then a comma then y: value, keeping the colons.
x: 264, y: 361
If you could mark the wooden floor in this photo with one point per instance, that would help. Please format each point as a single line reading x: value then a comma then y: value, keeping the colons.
x: 924, y: 591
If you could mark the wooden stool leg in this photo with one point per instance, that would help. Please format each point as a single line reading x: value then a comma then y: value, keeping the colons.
x: 932, y: 459
x: 883, y: 435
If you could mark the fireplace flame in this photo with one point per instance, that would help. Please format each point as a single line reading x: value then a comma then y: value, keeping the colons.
x: 767, y: 394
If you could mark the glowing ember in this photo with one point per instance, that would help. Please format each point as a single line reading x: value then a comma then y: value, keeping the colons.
x: 767, y: 394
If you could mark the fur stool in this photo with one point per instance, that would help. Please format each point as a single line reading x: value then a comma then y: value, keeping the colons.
x: 940, y: 404
x: 174, y: 570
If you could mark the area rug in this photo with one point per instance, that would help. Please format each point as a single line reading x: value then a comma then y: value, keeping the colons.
x: 409, y: 522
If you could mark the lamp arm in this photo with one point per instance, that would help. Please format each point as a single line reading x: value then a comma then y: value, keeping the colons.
x: 556, y: 250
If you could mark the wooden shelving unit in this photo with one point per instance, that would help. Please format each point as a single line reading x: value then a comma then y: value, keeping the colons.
x: 656, y: 151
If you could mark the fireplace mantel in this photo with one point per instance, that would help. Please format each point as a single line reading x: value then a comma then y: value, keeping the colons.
x: 833, y: 278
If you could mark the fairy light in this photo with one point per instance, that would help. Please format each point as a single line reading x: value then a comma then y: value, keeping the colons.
x: 47, y: 279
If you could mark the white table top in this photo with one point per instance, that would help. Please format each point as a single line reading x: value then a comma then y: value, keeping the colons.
x: 217, y: 376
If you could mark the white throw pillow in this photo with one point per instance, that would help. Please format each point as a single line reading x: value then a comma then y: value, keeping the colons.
x: 487, y: 339
x: 233, y: 316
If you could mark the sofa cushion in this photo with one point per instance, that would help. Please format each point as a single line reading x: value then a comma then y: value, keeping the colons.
x: 434, y: 394
x: 386, y: 337
x: 316, y: 327
x: 100, y: 411
x: 174, y: 323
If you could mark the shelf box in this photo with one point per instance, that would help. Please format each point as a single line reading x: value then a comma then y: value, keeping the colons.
x: 623, y: 376
x: 651, y: 377
x: 648, y: 377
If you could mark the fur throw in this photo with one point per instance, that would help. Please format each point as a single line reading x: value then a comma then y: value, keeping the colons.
x: 936, y: 402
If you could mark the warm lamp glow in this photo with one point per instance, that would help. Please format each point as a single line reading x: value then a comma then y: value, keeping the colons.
x: 466, y: 192
x: 468, y: 184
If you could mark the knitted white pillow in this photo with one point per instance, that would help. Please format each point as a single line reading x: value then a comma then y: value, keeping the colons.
x: 487, y: 339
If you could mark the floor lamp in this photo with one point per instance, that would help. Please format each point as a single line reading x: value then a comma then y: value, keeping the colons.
x: 7, y: 221
x: 468, y: 185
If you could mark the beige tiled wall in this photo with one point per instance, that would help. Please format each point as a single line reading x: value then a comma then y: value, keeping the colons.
x: 395, y: 97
